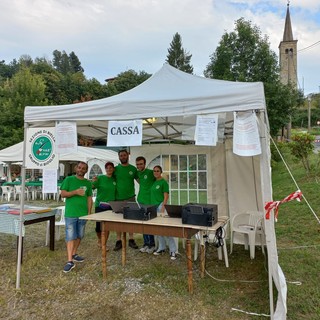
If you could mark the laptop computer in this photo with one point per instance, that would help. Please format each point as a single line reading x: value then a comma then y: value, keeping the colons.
x: 117, y: 206
x: 174, y: 210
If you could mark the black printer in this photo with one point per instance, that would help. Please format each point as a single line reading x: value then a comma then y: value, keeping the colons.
x: 135, y: 211
x: 200, y: 214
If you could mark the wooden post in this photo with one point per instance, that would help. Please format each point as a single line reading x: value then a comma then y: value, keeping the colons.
x: 104, y: 250
x: 202, y: 259
x: 124, y: 248
x: 189, y: 264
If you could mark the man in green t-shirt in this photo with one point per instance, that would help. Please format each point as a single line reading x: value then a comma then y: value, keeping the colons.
x: 146, y: 180
x: 78, y: 193
x: 125, y: 175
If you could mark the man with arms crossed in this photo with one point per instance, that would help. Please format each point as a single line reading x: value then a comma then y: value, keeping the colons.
x: 125, y: 174
x: 78, y: 193
x: 146, y: 180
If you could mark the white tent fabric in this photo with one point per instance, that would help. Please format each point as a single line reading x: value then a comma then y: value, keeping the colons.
x: 15, y: 154
x: 169, y: 102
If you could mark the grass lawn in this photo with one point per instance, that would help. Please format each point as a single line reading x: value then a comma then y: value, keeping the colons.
x: 151, y: 287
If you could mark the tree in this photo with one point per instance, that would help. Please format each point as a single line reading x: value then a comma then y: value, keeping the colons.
x: 177, y: 56
x: 302, y: 147
x: 66, y: 63
x: 126, y: 81
x: 24, y: 89
x: 245, y: 55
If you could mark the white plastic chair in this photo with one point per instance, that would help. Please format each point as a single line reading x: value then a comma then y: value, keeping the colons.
x: 7, y: 191
x: 18, y: 192
x: 250, y: 225
x: 59, y: 223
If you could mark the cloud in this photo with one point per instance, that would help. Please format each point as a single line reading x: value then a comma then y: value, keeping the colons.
x: 110, y: 37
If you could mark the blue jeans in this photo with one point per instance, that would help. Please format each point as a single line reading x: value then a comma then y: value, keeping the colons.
x: 162, y: 240
x: 74, y: 228
x: 148, y: 240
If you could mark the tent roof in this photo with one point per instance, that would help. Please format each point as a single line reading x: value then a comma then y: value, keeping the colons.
x: 15, y: 154
x: 171, y: 96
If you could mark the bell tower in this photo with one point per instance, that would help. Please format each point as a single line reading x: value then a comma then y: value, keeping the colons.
x: 288, y: 61
x: 288, y: 54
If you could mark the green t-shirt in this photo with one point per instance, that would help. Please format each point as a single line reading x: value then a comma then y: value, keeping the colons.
x: 125, y: 176
x: 157, y: 191
x: 106, y: 189
x: 146, y: 180
x: 76, y: 206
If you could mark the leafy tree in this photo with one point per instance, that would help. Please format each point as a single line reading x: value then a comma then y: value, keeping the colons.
x: 8, y: 70
x: 126, y: 81
x: 22, y: 90
x: 177, y: 56
x: 302, y: 147
x: 245, y: 55
x: 75, y: 64
x: 66, y: 64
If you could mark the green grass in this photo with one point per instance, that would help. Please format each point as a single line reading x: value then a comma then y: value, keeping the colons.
x: 150, y: 287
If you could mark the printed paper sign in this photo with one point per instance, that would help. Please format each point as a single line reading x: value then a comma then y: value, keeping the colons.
x: 66, y: 137
x: 246, y: 140
x: 49, y: 184
x: 206, y: 130
x: 40, y: 149
x: 124, y: 133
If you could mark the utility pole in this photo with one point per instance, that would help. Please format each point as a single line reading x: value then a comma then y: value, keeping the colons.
x: 309, y: 113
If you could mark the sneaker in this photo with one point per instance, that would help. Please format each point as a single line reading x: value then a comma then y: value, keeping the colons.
x: 150, y: 250
x: 118, y: 245
x: 68, y: 267
x: 158, y: 252
x: 144, y: 249
x: 132, y: 244
x: 173, y: 256
x: 77, y: 258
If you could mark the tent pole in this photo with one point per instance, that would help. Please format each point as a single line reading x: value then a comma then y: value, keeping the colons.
x: 23, y: 185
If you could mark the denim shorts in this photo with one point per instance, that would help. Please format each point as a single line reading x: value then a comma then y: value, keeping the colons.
x: 75, y: 228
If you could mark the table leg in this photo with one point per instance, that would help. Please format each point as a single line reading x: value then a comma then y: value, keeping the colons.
x: 104, y: 249
x: 202, y: 259
x: 189, y: 264
x: 124, y: 248
x: 52, y: 232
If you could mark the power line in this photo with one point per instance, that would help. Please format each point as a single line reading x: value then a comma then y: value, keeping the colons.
x: 309, y: 47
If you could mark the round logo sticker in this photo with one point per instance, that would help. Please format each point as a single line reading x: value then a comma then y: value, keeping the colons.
x: 41, y: 152
x: 42, y: 148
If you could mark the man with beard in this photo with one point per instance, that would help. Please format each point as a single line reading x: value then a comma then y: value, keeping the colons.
x: 125, y: 175
x: 78, y: 193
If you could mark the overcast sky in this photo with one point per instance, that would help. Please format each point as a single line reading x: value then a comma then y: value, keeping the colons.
x: 112, y: 36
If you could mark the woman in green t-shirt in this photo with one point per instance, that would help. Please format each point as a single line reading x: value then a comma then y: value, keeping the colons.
x: 159, y: 197
x: 106, y: 191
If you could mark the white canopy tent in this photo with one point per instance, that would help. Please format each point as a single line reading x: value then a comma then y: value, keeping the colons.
x: 169, y: 102
x: 93, y: 156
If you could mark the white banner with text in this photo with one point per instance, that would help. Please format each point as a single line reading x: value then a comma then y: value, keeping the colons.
x: 124, y: 133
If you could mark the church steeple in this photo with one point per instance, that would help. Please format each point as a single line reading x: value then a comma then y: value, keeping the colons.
x: 288, y: 53
x: 287, y: 34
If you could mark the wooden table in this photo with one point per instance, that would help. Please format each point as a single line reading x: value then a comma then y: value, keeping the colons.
x: 164, y: 226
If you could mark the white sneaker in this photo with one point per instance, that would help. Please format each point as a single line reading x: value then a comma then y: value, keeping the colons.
x: 173, y: 256
x: 144, y: 249
x: 151, y: 250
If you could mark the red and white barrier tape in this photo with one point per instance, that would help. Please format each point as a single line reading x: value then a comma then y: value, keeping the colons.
x: 274, y: 205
